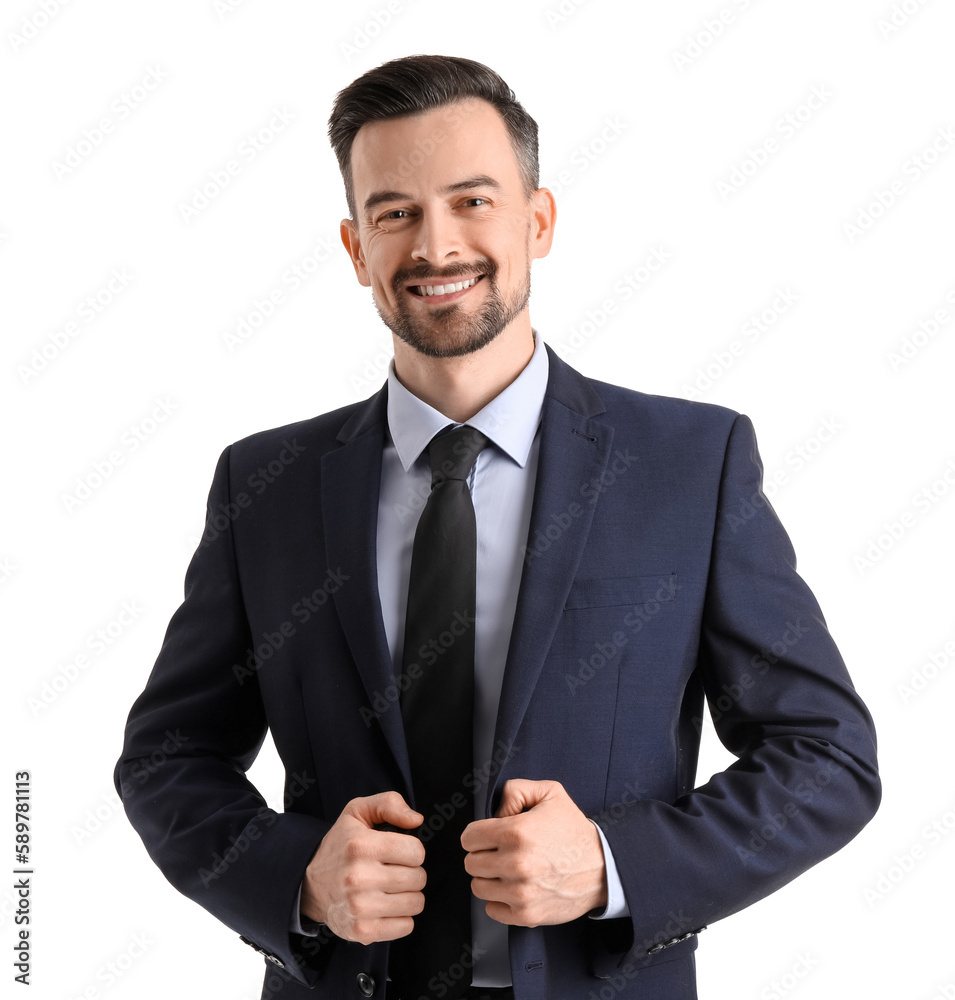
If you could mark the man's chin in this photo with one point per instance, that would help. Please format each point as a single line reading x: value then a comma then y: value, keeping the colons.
x: 448, y: 336
x: 444, y: 345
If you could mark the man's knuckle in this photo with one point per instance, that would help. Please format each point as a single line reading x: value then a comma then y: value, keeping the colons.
x: 524, y: 868
x: 352, y: 879
x: 524, y: 892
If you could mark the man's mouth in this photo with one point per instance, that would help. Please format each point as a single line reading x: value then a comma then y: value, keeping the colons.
x: 445, y: 289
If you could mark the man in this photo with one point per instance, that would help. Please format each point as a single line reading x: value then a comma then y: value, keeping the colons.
x: 483, y: 651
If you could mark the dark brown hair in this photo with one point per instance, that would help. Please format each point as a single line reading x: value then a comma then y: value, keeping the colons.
x: 416, y: 84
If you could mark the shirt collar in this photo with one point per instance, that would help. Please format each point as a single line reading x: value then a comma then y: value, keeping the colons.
x: 510, y: 420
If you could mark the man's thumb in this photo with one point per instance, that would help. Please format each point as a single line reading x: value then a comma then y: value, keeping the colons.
x: 519, y: 794
x: 389, y: 808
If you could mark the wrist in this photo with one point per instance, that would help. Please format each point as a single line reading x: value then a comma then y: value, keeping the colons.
x: 599, y: 895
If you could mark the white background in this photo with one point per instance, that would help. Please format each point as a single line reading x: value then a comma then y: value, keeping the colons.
x: 685, y: 119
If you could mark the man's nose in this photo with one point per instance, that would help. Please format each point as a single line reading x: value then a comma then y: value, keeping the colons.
x: 437, y: 238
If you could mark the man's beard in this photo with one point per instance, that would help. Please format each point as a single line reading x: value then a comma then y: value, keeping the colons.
x: 449, y: 332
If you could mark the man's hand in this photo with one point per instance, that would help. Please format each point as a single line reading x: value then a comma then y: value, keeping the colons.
x: 365, y: 884
x: 539, y: 860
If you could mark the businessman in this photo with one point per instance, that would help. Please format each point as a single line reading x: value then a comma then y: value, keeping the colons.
x: 481, y: 612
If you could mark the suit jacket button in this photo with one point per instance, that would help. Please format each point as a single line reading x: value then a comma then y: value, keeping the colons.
x: 366, y: 984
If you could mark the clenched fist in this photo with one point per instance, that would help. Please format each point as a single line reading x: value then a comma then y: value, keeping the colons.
x: 365, y: 884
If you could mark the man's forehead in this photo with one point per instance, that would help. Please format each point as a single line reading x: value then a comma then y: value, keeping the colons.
x: 457, y: 145
x: 449, y: 116
x: 473, y: 125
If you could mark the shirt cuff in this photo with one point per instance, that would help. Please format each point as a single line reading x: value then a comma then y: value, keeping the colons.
x: 299, y: 924
x: 616, y: 899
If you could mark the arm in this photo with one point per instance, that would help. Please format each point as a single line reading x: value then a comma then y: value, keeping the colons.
x: 191, y: 736
x: 805, y: 781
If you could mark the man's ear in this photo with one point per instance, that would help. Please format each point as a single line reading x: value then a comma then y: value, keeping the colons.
x: 349, y: 235
x: 543, y: 221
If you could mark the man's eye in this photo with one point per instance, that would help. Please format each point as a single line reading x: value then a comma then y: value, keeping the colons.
x: 476, y: 201
x: 398, y: 213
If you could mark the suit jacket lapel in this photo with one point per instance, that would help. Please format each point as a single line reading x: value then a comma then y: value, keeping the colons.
x: 351, y: 478
x: 574, y: 451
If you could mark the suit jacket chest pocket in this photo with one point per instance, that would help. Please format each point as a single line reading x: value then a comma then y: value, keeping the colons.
x: 605, y: 620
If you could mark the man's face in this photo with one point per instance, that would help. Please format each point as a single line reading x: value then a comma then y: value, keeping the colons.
x: 444, y: 234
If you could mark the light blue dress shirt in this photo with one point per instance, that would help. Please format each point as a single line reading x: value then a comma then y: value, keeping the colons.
x: 502, y: 490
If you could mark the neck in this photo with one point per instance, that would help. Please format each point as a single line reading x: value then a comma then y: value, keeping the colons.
x: 460, y: 387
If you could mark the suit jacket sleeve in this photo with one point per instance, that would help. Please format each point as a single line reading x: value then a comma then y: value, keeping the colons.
x: 190, y: 738
x: 805, y: 781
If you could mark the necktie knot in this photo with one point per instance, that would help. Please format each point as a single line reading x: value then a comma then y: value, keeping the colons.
x: 453, y: 454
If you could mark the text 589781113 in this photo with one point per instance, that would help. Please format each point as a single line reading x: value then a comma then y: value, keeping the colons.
x: 22, y: 873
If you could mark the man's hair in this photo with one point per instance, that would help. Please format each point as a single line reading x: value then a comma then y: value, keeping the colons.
x: 414, y: 85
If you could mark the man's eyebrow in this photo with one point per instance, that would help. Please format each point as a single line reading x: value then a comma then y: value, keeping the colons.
x: 379, y: 197
x: 480, y: 180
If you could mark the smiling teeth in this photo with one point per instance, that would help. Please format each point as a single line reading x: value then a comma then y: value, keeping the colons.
x: 445, y: 289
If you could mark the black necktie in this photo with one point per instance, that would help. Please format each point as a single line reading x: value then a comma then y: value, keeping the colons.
x: 437, y: 708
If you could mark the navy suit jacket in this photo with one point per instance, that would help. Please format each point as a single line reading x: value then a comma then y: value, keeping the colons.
x: 656, y: 577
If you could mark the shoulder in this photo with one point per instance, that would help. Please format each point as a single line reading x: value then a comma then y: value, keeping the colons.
x: 645, y: 414
x: 306, y: 441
